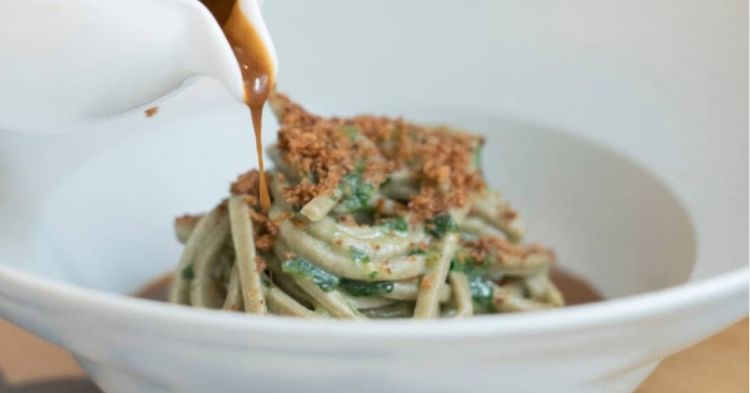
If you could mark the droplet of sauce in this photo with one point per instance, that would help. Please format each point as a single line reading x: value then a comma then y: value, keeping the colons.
x: 257, y: 69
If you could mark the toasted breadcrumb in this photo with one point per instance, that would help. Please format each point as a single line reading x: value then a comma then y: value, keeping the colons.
x: 323, y: 150
x: 260, y: 264
x: 426, y: 282
x: 187, y: 220
x: 348, y: 220
x: 246, y: 183
x: 487, y: 246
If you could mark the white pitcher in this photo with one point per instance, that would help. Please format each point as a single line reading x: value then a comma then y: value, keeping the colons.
x: 70, y: 62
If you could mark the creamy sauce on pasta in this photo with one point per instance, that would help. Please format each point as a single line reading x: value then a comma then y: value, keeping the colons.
x: 257, y: 70
x: 575, y: 288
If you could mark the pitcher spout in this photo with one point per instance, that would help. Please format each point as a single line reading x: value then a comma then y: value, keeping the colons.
x: 77, y: 61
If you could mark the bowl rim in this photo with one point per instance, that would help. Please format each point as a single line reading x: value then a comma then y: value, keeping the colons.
x: 622, y: 310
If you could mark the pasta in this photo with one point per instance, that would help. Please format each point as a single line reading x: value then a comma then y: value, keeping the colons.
x: 370, y: 218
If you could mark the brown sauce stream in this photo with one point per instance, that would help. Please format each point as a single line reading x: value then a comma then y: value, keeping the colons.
x: 257, y: 70
x: 575, y: 289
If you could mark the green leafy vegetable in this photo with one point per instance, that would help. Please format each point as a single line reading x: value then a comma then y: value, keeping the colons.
x: 386, y: 182
x: 440, y: 225
x: 418, y: 249
x: 356, y: 192
x: 397, y: 224
x: 364, y: 288
x: 300, y: 267
x: 359, y: 256
x: 187, y: 273
x: 481, y: 290
x: 480, y: 286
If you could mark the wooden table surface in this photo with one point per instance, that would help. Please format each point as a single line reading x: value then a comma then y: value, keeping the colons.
x: 716, y: 365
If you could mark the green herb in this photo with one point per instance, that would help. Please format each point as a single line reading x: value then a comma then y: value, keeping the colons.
x: 359, y: 256
x: 300, y: 267
x: 415, y: 251
x: 481, y: 290
x: 386, y: 182
x: 373, y: 275
x: 397, y: 224
x: 476, y: 272
x: 440, y: 225
x: 469, y: 266
x: 351, y: 131
x: 356, y: 192
x: 365, y: 216
x: 418, y: 249
x: 364, y: 288
x: 187, y: 273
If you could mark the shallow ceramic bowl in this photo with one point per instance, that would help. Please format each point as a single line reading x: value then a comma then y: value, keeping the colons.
x: 618, y: 129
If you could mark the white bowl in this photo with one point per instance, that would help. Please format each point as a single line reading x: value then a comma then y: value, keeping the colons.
x: 629, y: 158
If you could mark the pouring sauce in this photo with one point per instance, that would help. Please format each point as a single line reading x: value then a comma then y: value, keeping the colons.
x: 257, y: 70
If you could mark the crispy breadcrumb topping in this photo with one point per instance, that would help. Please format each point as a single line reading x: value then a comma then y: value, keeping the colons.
x: 496, y: 247
x: 323, y: 150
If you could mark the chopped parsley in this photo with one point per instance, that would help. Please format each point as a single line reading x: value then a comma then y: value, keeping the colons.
x: 397, y: 224
x: 187, y: 273
x: 475, y: 271
x: 359, y: 256
x: 440, y: 225
x: 416, y: 251
x: 481, y: 290
x: 356, y: 192
x: 300, y: 267
x: 364, y: 288
x: 386, y: 182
